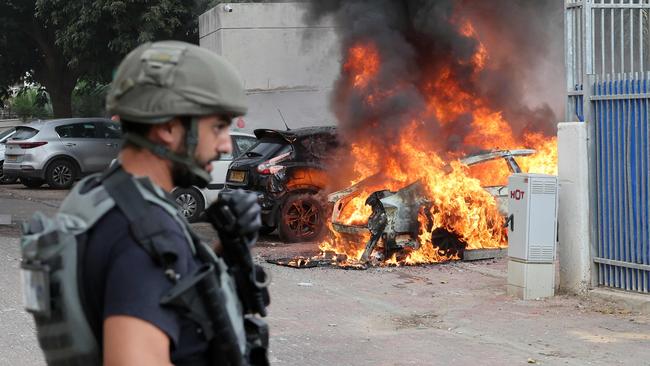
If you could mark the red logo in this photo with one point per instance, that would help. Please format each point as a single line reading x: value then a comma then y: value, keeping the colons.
x: 517, y: 194
x: 240, y: 123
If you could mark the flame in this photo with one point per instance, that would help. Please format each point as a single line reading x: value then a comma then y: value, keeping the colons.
x: 363, y: 63
x: 545, y: 160
x: 479, y: 58
x: 459, y: 205
x: 356, y: 212
x: 456, y: 201
x: 341, y: 245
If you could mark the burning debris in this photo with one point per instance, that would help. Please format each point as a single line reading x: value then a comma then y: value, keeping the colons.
x: 323, y: 260
x: 422, y: 84
x: 404, y: 223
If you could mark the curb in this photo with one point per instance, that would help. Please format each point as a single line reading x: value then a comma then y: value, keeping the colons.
x: 632, y: 301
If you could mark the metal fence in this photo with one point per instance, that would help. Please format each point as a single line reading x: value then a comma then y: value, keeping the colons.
x: 607, y: 44
x: 603, y: 37
x: 621, y: 108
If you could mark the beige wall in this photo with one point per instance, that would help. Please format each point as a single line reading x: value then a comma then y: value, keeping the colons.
x: 285, y: 64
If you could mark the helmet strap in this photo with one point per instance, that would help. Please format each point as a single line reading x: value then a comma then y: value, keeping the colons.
x: 192, y: 136
x: 201, y: 178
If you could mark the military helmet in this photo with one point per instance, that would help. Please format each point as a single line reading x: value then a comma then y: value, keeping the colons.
x: 159, y: 81
x: 162, y: 80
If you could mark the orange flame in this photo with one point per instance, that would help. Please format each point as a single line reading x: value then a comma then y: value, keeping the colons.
x: 480, y: 57
x: 545, y: 160
x: 456, y: 200
x: 363, y: 63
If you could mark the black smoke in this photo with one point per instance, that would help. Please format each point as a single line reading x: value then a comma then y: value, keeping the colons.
x: 526, y: 79
x: 419, y: 38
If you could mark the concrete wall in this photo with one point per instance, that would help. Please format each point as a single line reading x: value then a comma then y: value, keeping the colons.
x: 285, y: 63
x: 574, y: 246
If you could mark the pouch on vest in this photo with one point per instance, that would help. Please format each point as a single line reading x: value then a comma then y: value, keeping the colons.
x: 50, y: 251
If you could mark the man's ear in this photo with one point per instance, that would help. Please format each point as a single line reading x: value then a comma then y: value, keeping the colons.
x: 169, y: 134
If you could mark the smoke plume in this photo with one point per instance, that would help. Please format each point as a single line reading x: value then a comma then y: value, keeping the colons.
x: 417, y: 41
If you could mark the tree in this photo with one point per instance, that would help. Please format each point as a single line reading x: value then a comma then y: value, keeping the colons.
x: 88, y: 99
x: 56, y: 43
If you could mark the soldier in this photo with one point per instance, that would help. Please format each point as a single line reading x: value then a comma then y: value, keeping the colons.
x: 150, y: 292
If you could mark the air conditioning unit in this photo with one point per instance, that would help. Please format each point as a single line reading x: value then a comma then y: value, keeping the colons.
x: 532, y: 235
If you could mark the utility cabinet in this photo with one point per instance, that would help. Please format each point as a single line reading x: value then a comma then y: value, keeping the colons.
x: 532, y: 235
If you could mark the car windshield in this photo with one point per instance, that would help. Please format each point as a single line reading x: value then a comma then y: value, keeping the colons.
x: 5, y: 134
x: 265, y: 147
x: 24, y: 133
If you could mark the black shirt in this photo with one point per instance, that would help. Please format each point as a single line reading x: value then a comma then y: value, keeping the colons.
x: 121, y: 278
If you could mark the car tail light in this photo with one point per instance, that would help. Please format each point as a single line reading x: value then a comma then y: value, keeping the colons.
x: 28, y: 145
x: 270, y: 166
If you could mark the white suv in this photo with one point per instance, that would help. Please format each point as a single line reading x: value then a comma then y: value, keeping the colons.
x: 60, y: 151
x: 193, y: 201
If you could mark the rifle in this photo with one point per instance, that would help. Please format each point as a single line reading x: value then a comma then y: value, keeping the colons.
x: 202, y: 298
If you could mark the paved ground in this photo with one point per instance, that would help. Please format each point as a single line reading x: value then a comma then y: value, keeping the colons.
x: 454, y: 313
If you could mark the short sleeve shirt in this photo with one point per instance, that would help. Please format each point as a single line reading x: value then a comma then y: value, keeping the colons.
x: 121, y: 278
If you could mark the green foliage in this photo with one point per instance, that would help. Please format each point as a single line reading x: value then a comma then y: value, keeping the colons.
x: 103, y: 31
x: 31, y: 103
x: 88, y: 99
x: 57, y: 42
x: 18, y: 50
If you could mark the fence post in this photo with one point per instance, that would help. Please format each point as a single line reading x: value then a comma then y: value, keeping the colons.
x: 591, y: 170
x: 587, y: 41
x: 569, y: 59
x: 588, y: 82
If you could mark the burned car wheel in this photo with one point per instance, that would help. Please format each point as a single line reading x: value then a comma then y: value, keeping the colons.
x: 301, y: 218
x: 190, y: 203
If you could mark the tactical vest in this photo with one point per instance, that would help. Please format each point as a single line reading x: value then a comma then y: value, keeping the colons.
x: 50, y: 270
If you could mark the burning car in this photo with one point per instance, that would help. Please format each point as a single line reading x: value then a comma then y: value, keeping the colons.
x: 396, y: 219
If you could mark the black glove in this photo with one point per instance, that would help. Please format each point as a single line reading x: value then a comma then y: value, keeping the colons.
x: 237, y: 217
x: 236, y: 214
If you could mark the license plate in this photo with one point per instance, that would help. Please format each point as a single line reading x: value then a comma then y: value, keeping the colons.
x: 236, y: 176
x: 36, y: 289
x: 11, y: 158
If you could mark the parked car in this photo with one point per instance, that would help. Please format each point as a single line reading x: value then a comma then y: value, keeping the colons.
x: 4, y: 136
x: 58, y: 152
x: 193, y: 201
x: 286, y: 169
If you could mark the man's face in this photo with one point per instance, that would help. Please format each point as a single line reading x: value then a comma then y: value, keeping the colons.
x: 214, y: 140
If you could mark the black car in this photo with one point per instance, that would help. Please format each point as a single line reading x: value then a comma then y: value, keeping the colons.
x: 287, y: 171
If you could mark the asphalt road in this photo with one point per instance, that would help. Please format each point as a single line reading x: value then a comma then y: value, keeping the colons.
x: 453, y: 313
x: 18, y: 344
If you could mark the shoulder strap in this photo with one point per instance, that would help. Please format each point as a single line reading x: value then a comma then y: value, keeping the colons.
x: 150, y: 234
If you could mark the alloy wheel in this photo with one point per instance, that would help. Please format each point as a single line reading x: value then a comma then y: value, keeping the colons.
x: 187, y: 203
x: 62, y: 174
x: 303, y: 218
